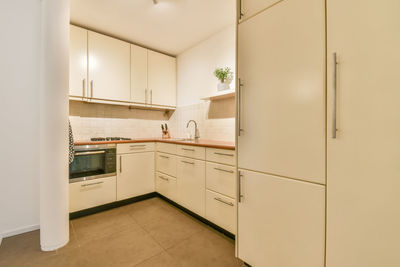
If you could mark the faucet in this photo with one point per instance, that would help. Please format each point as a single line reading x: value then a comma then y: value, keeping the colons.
x: 196, y: 130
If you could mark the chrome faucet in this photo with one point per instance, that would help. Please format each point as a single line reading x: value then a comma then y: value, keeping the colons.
x: 196, y: 130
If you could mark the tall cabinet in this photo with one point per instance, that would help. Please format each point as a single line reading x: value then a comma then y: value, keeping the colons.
x: 281, y: 143
x: 78, y: 62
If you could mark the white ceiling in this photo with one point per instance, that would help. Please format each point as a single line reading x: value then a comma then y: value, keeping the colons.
x: 171, y: 26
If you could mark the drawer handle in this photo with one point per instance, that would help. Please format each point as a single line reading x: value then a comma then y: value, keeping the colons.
x: 223, y: 201
x: 137, y: 145
x: 188, y: 162
x: 162, y: 177
x: 84, y: 185
x: 162, y: 156
x: 222, y: 170
x: 188, y: 149
x: 223, y: 154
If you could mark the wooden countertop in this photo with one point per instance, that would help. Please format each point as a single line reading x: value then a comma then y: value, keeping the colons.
x: 200, y: 142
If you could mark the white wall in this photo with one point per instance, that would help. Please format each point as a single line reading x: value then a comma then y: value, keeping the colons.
x: 19, y: 115
x: 196, y: 66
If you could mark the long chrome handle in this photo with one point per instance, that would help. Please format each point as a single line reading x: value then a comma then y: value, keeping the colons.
x: 334, y: 126
x: 223, y: 154
x: 240, y: 186
x: 84, y: 185
x: 120, y: 164
x: 137, y: 145
x: 91, y: 88
x: 83, y: 88
x: 145, y: 95
x: 222, y: 170
x: 151, y: 96
x: 188, y: 162
x: 162, y: 177
x: 239, y: 107
x: 89, y: 153
x: 223, y: 201
x: 188, y: 149
x: 240, y: 10
x: 162, y: 156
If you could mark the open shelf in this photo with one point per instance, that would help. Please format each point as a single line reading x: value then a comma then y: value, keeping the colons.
x: 220, y: 95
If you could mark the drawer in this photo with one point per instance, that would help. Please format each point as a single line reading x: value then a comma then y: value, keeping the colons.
x: 166, y: 185
x: 166, y: 148
x: 92, y: 193
x: 135, y: 147
x: 221, y: 210
x: 221, y: 179
x: 166, y: 163
x: 223, y: 156
x: 195, y: 152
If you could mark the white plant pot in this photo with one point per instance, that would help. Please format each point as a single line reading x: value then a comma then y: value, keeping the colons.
x: 223, y: 86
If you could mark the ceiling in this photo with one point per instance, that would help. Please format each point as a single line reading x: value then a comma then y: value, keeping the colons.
x: 170, y: 26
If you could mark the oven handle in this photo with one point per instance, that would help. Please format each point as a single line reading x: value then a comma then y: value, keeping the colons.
x: 89, y: 153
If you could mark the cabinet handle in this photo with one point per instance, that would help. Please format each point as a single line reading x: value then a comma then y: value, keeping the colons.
x: 188, y: 149
x: 223, y: 201
x: 240, y: 107
x: 137, y: 146
x: 222, y: 170
x: 90, y: 153
x: 240, y: 175
x: 162, y: 177
x: 145, y: 95
x: 334, y: 126
x: 240, y: 10
x: 187, y: 162
x: 223, y: 154
x: 120, y: 164
x: 84, y: 185
x: 151, y: 96
x: 91, y: 88
x: 162, y: 156
x: 83, y: 88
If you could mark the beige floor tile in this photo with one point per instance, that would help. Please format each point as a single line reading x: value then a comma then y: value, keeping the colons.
x: 68, y: 258
x: 160, y: 260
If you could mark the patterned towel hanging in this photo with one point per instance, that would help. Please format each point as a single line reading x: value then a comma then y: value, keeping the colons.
x: 71, y: 144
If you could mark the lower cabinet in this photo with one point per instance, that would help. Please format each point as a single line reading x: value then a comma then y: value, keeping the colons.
x: 191, y: 184
x: 281, y: 221
x: 92, y: 193
x: 167, y: 186
x: 221, y: 210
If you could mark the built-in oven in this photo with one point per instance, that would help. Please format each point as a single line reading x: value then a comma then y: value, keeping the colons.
x: 93, y: 162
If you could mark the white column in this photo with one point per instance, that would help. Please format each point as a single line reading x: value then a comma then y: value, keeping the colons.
x: 54, y: 72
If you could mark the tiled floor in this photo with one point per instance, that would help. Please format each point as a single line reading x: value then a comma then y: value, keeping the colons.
x: 148, y: 233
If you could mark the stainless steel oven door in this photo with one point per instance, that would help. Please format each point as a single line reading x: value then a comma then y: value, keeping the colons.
x: 93, y: 162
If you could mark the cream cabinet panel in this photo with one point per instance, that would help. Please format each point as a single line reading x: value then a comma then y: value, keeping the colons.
x: 167, y: 148
x: 191, y: 151
x: 223, y: 156
x: 161, y: 79
x: 166, y: 163
x: 78, y: 62
x: 109, y: 68
x: 139, y: 93
x: 252, y: 7
x: 221, y: 210
x: 135, y: 175
x: 135, y: 147
x: 363, y: 168
x: 191, y: 184
x: 221, y: 178
x: 281, y: 222
x: 281, y: 66
x: 92, y: 193
x: 167, y: 186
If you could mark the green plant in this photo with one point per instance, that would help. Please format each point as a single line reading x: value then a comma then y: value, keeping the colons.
x: 223, y: 74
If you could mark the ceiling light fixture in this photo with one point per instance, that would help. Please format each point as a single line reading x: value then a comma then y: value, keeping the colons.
x: 155, y: 2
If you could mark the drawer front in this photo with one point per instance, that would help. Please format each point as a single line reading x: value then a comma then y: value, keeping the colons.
x: 223, y: 156
x: 221, y: 179
x: 92, y: 193
x: 221, y: 210
x: 195, y: 152
x: 166, y: 163
x: 135, y: 147
x: 166, y: 185
x: 166, y: 148
x: 191, y: 184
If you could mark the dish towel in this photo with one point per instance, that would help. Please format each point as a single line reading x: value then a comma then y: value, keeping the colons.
x: 71, y: 144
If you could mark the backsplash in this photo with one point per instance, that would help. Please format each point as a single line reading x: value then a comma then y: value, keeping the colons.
x: 216, y: 121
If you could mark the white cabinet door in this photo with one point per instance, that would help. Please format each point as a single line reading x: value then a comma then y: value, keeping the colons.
x: 109, y: 68
x: 161, y: 79
x: 363, y: 168
x: 135, y: 175
x: 139, y: 93
x: 191, y: 184
x: 78, y: 62
x: 252, y: 7
x: 167, y: 186
x: 281, y: 222
x: 281, y: 65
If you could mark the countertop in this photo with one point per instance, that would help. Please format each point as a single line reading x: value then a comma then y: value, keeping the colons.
x: 199, y: 142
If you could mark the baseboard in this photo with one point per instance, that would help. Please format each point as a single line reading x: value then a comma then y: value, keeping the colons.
x: 19, y: 231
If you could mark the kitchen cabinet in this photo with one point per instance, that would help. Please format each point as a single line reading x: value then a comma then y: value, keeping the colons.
x: 109, y: 68
x: 161, y: 79
x: 221, y: 156
x: 166, y: 163
x: 195, y: 152
x: 78, y: 62
x: 221, y: 210
x: 191, y: 184
x: 135, y: 174
x: 363, y: 192
x: 281, y: 221
x: 167, y: 186
x: 281, y: 69
x: 221, y: 178
x: 249, y: 8
x: 139, y: 92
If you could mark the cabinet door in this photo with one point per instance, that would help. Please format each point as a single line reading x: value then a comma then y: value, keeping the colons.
x: 78, y: 62
x: 191, y: 184
x: 281, y: 65
x: 135, y: 175
x: 281, y: 222
x: 166, y: 185
x: 363, y: 167
x: 161, y: 79
x: 251, y: 7
x: 139, y: 92
x: 109, y: 68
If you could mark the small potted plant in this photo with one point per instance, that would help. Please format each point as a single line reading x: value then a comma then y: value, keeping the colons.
x: 225, y: 76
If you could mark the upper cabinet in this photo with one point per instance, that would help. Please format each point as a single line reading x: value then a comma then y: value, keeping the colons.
x: 78, y: 62
x: 161, y: 79
x: 249, y: 8
x: 109, y: 68
x: 139, y: 92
